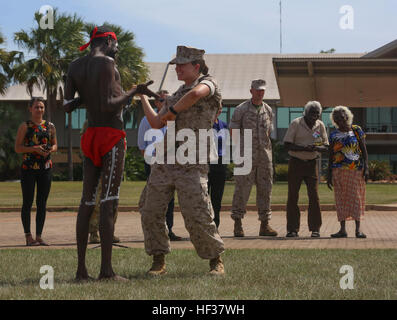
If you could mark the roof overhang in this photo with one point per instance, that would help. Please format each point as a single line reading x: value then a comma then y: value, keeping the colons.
x: 353, y: 82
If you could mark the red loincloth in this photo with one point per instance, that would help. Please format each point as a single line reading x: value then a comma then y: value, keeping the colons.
x: 98, y: 141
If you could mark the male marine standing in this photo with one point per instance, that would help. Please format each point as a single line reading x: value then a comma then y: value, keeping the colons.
x: 257, y: 116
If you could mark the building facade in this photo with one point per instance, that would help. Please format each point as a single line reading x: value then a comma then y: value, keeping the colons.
x: 362, y: 82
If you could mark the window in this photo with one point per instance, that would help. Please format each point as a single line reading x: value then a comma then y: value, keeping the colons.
x: 282, y: 118
x: 224, y: 115
x: 295, y: 113
x: 286, y: 115
x: 381, y: 119
x: 130, y: 124
x: 227, y: 113
x: 130, y: 118
x: 78, y: 118
x: 325, y: 117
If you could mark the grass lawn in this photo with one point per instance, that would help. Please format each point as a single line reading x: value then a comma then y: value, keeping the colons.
x: 69, y: 194
x: 251, y: 274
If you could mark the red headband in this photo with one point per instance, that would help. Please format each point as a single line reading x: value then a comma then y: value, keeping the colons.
x: 100, y: 35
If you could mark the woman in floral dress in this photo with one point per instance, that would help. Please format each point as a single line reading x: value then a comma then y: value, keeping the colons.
x: 36, y: 139
x: 347, y: 170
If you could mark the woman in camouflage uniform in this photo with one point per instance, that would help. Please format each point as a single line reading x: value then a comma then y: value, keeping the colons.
x: 193, y: 106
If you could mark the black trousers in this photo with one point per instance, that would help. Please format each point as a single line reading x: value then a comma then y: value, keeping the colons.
x: 216, y: 186
x: 29, y: 180
x: 169, y: 216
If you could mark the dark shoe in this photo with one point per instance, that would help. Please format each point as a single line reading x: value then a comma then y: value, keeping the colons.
x: 292, y: 234
x: 339, y: 235
x: 315, y: 234
x: 174, y: 237
x: 30, y: 242
x: 360, y: 235
x: 41, y: 241
x: 238, y: 228
x: 266, y: 230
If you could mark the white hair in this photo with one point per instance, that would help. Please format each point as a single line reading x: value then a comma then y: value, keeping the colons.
x: 312, y: 104
x: 345, y: 110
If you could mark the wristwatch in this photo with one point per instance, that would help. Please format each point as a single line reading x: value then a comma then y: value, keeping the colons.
x: 173, y: 110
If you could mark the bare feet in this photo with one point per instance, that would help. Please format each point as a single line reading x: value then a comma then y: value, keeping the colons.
x: 82, y: 279
x: 113, y: 278
x: 82, y: 275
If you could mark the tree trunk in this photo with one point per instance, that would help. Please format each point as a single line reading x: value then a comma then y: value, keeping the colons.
x: 70, y: 147
x: 49, y: 105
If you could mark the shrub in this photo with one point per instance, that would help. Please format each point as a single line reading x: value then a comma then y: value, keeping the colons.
x: 379, y: 170
x: 230, y: 172
x: 280, y: 154
x: 60, y: 176
x: 134, y: 165
x: 281, y: 173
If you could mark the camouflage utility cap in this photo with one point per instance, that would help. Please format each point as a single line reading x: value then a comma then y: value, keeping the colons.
x: 187, y: 54
x: 258, y: 84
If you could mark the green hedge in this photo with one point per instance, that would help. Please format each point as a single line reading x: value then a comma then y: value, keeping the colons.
x: 379, y: 170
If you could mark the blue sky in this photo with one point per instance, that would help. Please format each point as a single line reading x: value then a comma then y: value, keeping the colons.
x: 225, y: 26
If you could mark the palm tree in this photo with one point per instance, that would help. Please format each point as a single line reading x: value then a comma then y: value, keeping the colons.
x: 6, y: 61
x: 9, y: 159
x: 54, y: 49
x: 3, y: 65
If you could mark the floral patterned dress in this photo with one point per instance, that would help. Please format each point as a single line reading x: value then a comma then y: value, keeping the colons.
x: 346, y: 148
x: 37, y: 135
x: 347, y: 173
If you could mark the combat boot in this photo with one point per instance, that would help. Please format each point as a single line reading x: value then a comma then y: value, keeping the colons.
x: 266, y: 230
x: 116, y: 239
x: 217, y: 267
x: 238, y: 228
x: 158, y: 266
x: 94, y: 238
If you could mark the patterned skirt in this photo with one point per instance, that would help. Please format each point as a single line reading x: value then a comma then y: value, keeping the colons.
x: 349, y: 189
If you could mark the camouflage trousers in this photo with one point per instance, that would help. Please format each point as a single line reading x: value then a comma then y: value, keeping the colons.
x: 262, y: 177
x: 190, y: 182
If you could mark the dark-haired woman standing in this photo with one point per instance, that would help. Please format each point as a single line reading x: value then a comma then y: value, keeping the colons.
x: 36, y: 139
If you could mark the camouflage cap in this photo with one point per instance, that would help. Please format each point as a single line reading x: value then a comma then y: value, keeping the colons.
x: 258, y: 84
x: 187, y: 54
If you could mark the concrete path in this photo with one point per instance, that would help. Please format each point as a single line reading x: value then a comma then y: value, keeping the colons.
x: 59, y: 231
